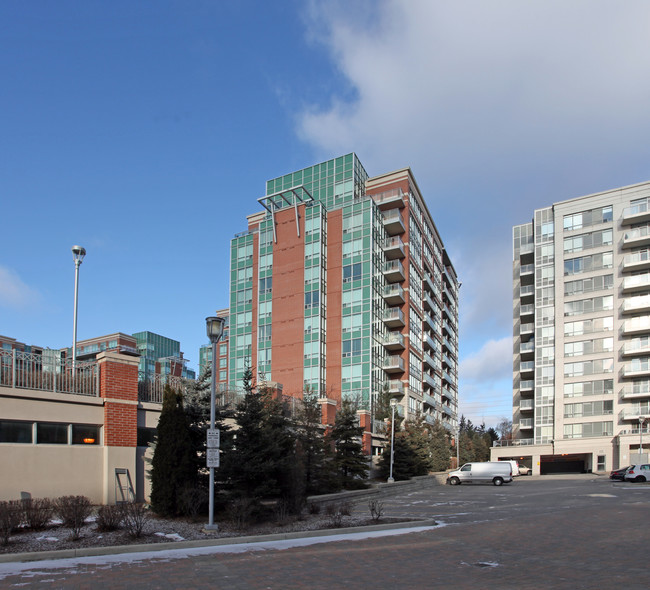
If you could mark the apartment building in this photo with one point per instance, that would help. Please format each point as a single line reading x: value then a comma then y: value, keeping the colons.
x: 342, y: 287
x: 205, y: 352
x: 581, y: 334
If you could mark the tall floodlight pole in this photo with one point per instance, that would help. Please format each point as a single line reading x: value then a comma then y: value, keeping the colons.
x: 457, y: 448
x: 214, y: 326
x: 78, y: 254
x: 393, y: 403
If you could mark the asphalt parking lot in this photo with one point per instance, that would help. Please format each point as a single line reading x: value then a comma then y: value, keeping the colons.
x: 559, y: 532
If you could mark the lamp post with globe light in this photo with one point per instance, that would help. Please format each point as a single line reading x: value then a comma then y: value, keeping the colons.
x: 214, y: 327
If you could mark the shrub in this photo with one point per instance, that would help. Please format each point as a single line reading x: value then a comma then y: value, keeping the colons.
x: 314, y: 508
x: 192, y: 501
x: 109, y: 518
x: 10, y: 517
x: 336, y: 512
x: 376, y: 509
x: 241, y: 511
x: 37, y: 513
x: 73, y: 511
x: 134, y: 517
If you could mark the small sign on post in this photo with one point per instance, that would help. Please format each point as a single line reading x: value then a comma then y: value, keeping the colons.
x: 212, y: 458
x: 213, y: 438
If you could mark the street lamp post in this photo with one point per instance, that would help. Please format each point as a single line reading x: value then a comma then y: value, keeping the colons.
x: 393, y: 404
x: 641, y: 421
x: 457, y: 448
x: 78, y: 254
x: 214, y: 327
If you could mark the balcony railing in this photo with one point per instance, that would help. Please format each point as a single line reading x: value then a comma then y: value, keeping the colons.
x: 526, y: 423
x: 636, y: 282
x: 637, y: 209
x: 636, y: 325
x: 519, y: 442
x: 526, y: 405
x: 527, y: 291
x: 527, y: 269
x: 27, y: 370
x: 527, y: 385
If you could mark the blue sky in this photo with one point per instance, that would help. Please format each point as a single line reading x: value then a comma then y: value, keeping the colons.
x: 145, y: 131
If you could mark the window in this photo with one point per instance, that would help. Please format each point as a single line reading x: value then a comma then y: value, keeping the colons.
x: 589, y: 305
x: 352, y: 272
x: 574, y: 266
x: 312, y: 299
x: 85, y: 434
x: 266, y: 285
x: 223, y: 363
x: 588, y: 429
x: 51, y: 434
x: 13, y: 431
x: 588, y: 218
x: 352, y: 347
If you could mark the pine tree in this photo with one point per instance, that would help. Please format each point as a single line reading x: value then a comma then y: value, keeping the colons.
x: 259, y: 463
x: 173, y: 467
x: 351, y: 463
x: 440, y: 447
x: 311, y: 444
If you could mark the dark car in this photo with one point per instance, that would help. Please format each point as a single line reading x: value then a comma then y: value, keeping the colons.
x: 619, y: 474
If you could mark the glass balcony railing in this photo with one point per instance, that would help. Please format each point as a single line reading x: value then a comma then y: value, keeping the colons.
x: 526, y: 404
x: 527, y: 366
x: 527, y: 385
x: 636, y: 281
x: 527, y: 290
x: 636, y: 258
x: 637, y: 208
x: 636, y: 233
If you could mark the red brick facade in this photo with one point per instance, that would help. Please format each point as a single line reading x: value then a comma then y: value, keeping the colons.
x: 118, y: 377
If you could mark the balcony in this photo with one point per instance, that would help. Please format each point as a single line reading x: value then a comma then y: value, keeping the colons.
x: 638, y: 236
x: 394, y: 318
x: 389, y: 199
x: 428, y: 302
x: 526, y: 348
x: 636, y: 304
x: 448, y: 377
x: 448, y: 326
x: 527, y: 367
x: 526, y: 249
x: 637, y: 213
x: 526, y: 329
x: 394, y: 364
x: 394, y: 294
x: 637, y: 325
x: 636, y: 283
x: 526, y: 424
x: 635, y: 412
x: 636, y: 390
x: 394, y: 271
x: 637, y: 261
x: 527, y: 385
x: 428, y: 321
x: 396, y: 386
x: 528, y: 309
x: 393, y: 222
x: 429, y: 284
x: 430, y: 381
x: 527, y: 291
x: 448, y: 394
x: 430, y: 401
x: 394, y: 341
x: 637, y: 368
x: 428, y: 360
x: 526, y: 269
x: 526, y: 405
x: 393, y: 248
x: 429, y: 342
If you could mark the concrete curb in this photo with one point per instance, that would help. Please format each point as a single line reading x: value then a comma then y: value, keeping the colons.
x: 156, y: 547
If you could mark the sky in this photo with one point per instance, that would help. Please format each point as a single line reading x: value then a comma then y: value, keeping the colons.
x: 145, y: 132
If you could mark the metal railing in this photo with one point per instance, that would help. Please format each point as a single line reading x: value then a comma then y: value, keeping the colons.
x: 28, y: 370
x: 152, y: 387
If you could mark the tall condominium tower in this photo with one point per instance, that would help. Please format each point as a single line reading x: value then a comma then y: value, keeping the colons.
x: 581, y: 319
x: 341, y: 287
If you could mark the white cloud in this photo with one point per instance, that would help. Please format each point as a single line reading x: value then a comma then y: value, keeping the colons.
x: 14, y: 293
x: 493, y: 362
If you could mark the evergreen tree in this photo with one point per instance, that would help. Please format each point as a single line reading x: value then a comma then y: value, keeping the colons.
x: 197, y: 401
x: 173, y: 466
x: 351, y: 463
x: 259, y: 463
x: 440, y: 447
x: 406, y: 462
x: 311, y: 445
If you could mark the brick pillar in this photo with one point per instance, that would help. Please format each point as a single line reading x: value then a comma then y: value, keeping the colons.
x: 327, y: 411
x: 366, y: 423
x: 119, y: 389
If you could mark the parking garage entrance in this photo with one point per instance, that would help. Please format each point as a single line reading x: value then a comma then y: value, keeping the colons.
x: 550, y: 464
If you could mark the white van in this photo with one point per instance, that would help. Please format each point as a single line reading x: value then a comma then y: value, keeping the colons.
x: 514, y: 465
x: 496, y: 472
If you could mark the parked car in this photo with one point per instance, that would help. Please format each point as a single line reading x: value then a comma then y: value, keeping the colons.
x: 638, y: 473
x: 619, y: 474
x: 525, y: 470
